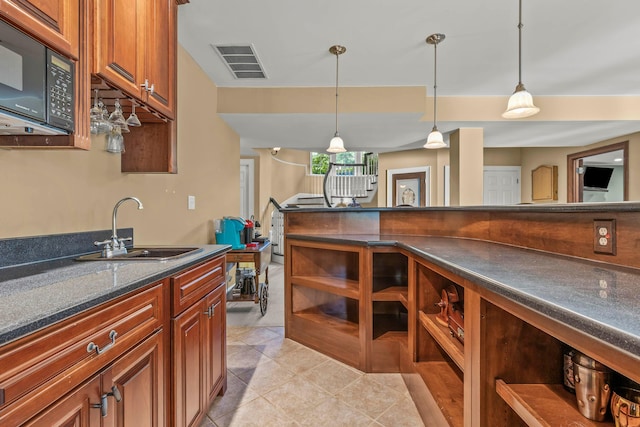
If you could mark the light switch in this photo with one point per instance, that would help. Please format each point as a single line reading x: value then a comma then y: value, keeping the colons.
x: 191, y: 202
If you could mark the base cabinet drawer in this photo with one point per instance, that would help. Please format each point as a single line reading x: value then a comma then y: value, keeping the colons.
x: 190, y: 286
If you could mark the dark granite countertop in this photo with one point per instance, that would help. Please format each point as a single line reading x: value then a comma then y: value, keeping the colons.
x: 36, y: 295
x: 598, y: 299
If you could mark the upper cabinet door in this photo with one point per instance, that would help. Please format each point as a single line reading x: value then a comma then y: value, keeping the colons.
x: 54, y: 22
x: 135, y: 49
x: 161, y: 56
x: 120, y: 43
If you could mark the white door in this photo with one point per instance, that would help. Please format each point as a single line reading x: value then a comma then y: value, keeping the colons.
x: 246, y: 188
x: 501, y: 185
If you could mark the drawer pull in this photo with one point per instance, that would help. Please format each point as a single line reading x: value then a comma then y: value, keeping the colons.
x: 91, y: 347
x: 104, y: 405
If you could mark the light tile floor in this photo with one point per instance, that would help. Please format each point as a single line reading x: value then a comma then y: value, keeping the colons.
x: 274, y: 381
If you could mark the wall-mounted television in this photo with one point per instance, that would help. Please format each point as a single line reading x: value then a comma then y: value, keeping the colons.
x: 597, y: 178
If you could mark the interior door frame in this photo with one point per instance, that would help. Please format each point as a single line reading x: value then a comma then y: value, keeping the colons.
x: 574, y: 160
x: 250, y: 189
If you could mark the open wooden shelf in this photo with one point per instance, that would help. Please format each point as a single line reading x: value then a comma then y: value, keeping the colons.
x: 325, y: 321
x: 441, y: 334
x: 384, y: 324
x: 393, y: 293
x: 544, y: 404
x: 338, y: 286
x: 447, y: 388
x: 399, y: 336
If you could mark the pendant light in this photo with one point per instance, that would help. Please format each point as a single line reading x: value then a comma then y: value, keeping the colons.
x: 521, y: 102
x: 337, y: 145
x: 434, y: 140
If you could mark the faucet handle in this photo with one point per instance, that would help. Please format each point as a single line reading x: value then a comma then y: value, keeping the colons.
x: 124, y: 239
x: 104, y: 242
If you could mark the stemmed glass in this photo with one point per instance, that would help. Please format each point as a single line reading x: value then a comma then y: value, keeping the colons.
x: 117, y: 118
x: 133, y: 120
x: 97, y: 114
x: 115, y: 140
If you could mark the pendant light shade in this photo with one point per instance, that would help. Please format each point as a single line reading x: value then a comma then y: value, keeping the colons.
x: 336, y: 145
x: 521, y: 102
x: 435, y: 140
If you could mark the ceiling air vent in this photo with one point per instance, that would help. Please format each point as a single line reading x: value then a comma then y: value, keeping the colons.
x: 242, y: 61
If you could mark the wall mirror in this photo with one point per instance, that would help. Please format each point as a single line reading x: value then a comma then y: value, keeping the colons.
x: 599, y: 175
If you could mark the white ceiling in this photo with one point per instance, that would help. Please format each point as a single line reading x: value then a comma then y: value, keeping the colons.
x: 570, y: 48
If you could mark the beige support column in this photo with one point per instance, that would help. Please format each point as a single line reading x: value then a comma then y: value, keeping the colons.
x: 466, y: 157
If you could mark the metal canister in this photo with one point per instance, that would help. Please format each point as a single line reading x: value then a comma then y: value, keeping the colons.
x: 625, y: 407
x: 567, y: 370
x: 592, y: 381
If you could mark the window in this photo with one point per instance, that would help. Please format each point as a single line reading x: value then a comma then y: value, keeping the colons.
x: 320, y: 161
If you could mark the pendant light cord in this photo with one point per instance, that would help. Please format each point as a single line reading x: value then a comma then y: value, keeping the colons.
x: 337, y: 57
x: 435, y: 86
x: 520, y: 43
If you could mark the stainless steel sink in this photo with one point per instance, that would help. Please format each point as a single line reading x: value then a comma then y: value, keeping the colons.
x: 144, y: 254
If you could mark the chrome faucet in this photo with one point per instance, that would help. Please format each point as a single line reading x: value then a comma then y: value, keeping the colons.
x: 115, y: 245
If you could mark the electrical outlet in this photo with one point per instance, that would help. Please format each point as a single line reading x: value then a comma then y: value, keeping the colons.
x: 604, y: 236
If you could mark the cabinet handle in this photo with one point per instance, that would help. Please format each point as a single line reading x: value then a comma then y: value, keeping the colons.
x: 91, y: 347
x: 148, y: 88
x: 210, y: 311
x: 104, y: 403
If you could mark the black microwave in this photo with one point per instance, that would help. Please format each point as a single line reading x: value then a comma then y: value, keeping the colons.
x: 36, y: 86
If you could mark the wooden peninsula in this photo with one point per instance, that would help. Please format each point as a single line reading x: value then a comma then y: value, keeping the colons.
x: 362, y: 286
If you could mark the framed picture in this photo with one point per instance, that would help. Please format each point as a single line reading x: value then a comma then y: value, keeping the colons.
x: 408, y: 189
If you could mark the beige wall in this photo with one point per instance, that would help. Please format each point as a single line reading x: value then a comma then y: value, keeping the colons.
x: 502, y: 156
x: 62, y: 191
x: 534, y: 157
x: 407, y: 159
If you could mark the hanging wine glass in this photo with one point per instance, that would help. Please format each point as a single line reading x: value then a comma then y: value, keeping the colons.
x: 103, y: 125
x: 98, y: 121
x: 115, y: 141
x: 133, y: 120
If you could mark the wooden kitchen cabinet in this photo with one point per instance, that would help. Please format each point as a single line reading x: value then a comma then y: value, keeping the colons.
x: 322, y: 299
x: 54, y: 22
x: 46, y: 366
x: 198, y: 344
x: 136, y: 401
x: 139, y: 378
x: 135, y: 50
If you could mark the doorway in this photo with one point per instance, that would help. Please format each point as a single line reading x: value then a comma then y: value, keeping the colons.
x: 599, y: 175
x: 246, y: 188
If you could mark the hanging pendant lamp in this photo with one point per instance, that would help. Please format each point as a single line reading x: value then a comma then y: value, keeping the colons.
x: 521, y: 102
x: 336, y: 145
x: 435, y: 140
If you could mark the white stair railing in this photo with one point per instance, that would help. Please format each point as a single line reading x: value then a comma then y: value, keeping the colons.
x: 347, y: 181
